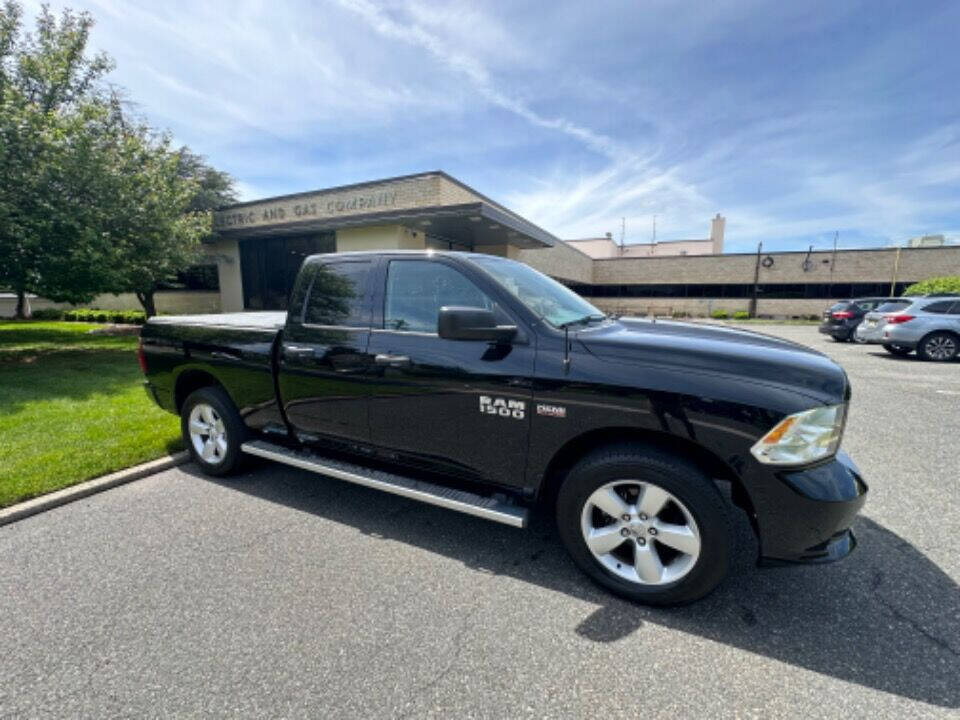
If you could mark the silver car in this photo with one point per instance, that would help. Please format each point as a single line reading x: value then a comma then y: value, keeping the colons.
x: 929, y: 325
x: 871, y: 329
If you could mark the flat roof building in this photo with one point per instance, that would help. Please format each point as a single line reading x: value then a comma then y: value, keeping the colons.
x: 260, y: 244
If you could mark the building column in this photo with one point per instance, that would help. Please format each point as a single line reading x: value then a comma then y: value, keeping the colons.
x: 226, y: 253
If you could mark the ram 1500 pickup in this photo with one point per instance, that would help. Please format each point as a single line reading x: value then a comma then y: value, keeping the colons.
x: 476, y: 383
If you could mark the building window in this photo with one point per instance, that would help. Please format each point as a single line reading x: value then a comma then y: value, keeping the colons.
x: 770, y: 291
x: 269, y: 266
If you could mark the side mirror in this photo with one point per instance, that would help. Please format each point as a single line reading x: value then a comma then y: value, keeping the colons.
x: 466, y: 323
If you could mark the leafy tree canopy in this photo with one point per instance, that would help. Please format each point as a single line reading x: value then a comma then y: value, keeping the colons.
x: 946, y: 284
x: 91, y: 198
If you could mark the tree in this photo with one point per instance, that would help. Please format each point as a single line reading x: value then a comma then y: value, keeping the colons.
x: 149, y: 215
x: 54, y: 140
x: 215, y: 188
x: 945, y: 284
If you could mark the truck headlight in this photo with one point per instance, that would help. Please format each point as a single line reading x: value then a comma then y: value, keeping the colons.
x: 803, y: 437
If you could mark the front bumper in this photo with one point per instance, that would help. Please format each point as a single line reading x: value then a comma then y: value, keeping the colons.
x: 804, y: 516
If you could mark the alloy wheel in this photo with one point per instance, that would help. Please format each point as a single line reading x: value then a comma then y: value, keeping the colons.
x: 940, y: 347
x: 207, y: 433
x: 640, y: 532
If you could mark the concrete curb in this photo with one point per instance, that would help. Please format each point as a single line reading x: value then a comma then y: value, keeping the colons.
x: 90, y: 487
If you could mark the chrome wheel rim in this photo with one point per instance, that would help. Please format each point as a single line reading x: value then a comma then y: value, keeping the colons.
x: 941, y: 347
x: 640, y: 532
x: 207, y: 434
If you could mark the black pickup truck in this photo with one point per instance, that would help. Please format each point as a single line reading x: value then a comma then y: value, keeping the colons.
x: 476, y: 383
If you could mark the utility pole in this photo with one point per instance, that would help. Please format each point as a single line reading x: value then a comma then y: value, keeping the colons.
x: 896, y: 269
x: 623, y: 233
x: 833, y: 258
x: 756, y: 282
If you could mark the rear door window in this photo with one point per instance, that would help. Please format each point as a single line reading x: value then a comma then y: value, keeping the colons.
x: 941, y: 308
x: 338, y: 295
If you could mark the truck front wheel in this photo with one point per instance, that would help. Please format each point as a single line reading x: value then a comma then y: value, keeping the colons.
x: 645, y: 524
x: 213, y: 431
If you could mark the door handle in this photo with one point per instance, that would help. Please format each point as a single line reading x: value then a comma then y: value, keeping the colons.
x: 391, y: 360
x: 297, y: 351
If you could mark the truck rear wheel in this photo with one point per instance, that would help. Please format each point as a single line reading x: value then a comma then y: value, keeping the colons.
x: 645, y: 524
x: 213, y: 431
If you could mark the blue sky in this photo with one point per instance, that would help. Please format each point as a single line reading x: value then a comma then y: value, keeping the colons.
x: 793, y: 119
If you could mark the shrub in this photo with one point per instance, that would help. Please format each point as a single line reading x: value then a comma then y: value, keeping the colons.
x: 47, y: 314
x: 719, y: 314
x: 945, y: 284
x: 130, y: 317
x: 741, y: 315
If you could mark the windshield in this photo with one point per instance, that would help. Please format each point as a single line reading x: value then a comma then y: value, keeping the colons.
x: 547, y: 298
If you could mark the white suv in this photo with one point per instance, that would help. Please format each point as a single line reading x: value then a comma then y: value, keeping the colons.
x: 930, y: 325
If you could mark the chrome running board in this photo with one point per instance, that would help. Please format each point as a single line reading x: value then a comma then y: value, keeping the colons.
x: 485, y: 507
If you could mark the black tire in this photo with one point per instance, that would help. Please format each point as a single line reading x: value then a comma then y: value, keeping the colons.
x: 686, y: 482
x: 840, y: 338
x: 230, y: 459
x: 939, y: 347
x: 900, y: 350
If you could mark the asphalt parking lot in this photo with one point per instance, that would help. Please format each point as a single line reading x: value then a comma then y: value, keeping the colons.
x: 284, y: 594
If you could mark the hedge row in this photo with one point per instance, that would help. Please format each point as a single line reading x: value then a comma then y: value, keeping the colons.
x: 128, y: 317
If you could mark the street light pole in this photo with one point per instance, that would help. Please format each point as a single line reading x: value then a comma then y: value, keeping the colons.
x: 756, y: 282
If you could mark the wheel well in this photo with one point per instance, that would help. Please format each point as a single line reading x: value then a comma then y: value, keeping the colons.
x: 189, y: 381
x: 710, y: 463
x: 944, y: 331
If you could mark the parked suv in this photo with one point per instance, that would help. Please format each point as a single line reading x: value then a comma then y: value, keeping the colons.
x: 840, y: 320
x: 870, y: 330
x: 929, y: 325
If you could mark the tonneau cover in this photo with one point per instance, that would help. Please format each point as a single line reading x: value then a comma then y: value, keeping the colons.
x: 269, y: 320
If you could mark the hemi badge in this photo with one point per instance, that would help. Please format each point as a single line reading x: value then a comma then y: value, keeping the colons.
x: 551, y: 410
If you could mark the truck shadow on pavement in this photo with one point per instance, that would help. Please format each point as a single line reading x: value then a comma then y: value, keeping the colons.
x: 886, y: 618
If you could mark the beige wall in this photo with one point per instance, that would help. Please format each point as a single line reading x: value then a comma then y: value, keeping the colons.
x: 379, y: 237
x: 561, y: 261
x: 668, y: 249
x: 702, y: 307
x: 170, y: 302
x: 420, y: 191
x: 850, y: 266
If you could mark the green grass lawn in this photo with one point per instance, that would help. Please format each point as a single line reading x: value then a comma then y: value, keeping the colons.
x: 72, y: 407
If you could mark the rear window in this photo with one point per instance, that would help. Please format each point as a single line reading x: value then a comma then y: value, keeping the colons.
x: 840, y: 306
x: 894, y: 306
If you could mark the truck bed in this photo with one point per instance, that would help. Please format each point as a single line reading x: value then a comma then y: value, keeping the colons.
x: 234, y: 349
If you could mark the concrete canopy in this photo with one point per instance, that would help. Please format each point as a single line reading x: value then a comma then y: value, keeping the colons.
x: 431, y: 203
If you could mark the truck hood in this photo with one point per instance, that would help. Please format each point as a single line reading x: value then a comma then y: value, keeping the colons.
x: 702, y: 348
